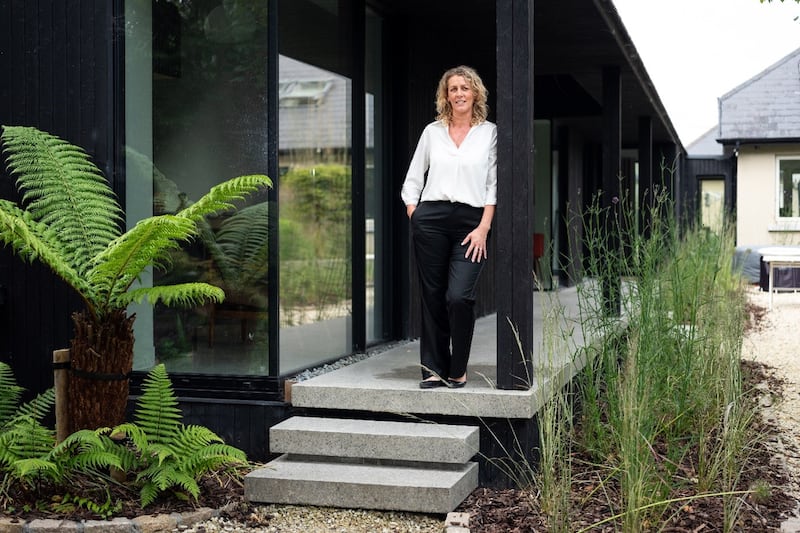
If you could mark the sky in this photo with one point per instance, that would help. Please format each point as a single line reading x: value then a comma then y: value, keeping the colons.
x: 695, y: 51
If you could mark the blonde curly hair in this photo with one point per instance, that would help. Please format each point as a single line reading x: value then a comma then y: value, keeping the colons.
x: 480, y: 109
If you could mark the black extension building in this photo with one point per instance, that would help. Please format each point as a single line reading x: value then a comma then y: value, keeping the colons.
x: 328, y: 98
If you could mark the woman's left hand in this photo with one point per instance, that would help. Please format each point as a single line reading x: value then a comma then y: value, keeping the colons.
x: 476, y: 251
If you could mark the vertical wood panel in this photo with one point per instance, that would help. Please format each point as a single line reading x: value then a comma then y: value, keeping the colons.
x: 514, y: 258
x: 612, y: 144
x: 53, y: 54
x: 417, y: 74
x: 645, y: 173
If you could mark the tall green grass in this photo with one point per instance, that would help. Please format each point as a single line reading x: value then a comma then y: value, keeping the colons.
x: 662, y: 384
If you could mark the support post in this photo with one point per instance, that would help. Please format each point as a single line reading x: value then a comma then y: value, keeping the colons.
x: 646, y: 189
x: 612, y: 149
x: 61, y: 360
x: 513, y: 255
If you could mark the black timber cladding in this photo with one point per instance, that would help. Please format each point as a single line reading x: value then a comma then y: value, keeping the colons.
x: 57, y: 59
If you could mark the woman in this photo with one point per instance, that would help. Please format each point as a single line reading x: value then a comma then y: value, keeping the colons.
x: 451, y: 214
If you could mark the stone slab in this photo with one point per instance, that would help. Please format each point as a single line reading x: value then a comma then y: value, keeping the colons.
x: 421, y: 490
x: 370, y: 439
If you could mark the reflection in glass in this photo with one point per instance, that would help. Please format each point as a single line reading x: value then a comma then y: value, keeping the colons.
x: 315, y: 213
x: 195, y: 116
x: 375, y: 216
x: 789, y: 188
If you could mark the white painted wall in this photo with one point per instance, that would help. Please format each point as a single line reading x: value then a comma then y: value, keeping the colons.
x: 756, y: 197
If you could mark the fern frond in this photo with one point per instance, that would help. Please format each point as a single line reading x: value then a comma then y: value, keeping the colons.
x: 241, y: 251
x: 221, y: 197
x: 137, y: 436
x: 157, y: 412
x: 87, y: 451
x: 190, y: 439
x: 24, y: 469
x: 212, y: 457
x: 24, y: 438
x: 40, y: 406
x: 168, y: 476
x: 187, y: 483
x: 64, y: 190
x: 148, y: 493
x: 33, y: 241
x: 123, y: 261
x: 179, y: 295
x: 10, y: 394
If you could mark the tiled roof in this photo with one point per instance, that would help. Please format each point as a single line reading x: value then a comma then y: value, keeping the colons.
x: 765, y: 107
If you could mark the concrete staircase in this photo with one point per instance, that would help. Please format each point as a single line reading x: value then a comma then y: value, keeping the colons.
x: 368, y: 464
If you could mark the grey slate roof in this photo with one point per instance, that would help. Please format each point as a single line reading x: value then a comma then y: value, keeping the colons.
x: 765, y: 107
x: 706, y: 145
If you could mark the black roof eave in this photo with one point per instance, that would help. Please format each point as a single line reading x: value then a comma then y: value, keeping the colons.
x: 626, y: 46
x: 759, y: 140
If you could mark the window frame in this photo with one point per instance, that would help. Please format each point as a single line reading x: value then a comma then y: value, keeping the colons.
x: 779, y: 187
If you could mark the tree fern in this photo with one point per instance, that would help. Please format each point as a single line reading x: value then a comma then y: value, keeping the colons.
x: 70, y: 220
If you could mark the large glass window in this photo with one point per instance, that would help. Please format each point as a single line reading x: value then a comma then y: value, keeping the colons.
x: 315, y: 158
x: 788, y: 187
x: 195, y: 115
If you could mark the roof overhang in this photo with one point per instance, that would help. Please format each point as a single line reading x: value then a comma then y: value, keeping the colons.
x: 573, y: 41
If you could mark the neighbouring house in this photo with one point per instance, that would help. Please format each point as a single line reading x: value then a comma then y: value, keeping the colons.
x: 328, y: 98
x: 749, y: 164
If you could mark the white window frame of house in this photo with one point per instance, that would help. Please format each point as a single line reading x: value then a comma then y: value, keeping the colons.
x: 779, y: 187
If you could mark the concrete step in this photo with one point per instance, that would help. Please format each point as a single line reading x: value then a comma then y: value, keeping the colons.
x: 433, y: 489
x: 371, y: 439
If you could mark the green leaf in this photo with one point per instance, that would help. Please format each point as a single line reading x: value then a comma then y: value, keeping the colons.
x: 180, y: 295
x: 64, y: 190
x: 221, y: 197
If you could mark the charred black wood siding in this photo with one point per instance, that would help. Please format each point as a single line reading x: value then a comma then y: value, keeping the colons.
x: 418, y: 63
x: 57, y: 59
x: 515, y: 174
x: 696, y: 169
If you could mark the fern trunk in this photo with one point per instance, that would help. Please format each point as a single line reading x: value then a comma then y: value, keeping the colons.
x: 101, y: 362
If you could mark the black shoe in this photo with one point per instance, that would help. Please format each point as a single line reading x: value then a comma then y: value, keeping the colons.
x: 431, y: 383
x: 453, y: 384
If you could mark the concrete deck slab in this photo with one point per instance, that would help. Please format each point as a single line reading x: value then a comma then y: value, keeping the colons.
x: 389, y: 382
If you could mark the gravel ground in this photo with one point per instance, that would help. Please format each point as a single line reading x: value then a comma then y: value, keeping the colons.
x: 776, y: 343
x: 302, y: 519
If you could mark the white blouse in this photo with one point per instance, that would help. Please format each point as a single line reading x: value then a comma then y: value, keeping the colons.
x: 466, y: 173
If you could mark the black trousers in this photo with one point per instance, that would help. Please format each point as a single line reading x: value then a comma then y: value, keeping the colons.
x: 447, y: 285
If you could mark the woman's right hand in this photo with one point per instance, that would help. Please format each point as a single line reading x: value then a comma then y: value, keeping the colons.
x: 410, y: 210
